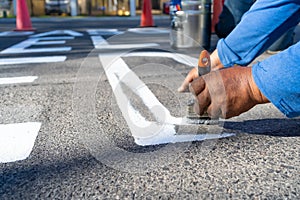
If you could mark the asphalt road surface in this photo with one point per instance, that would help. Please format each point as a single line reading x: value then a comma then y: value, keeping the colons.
x: 89, y: 110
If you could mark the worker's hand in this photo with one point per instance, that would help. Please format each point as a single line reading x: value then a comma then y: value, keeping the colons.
x: 215, y: 64
x: 226, y: 93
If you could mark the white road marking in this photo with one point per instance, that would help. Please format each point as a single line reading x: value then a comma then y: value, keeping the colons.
x: 104, y: 31
x: 50, y: 42
x: 27, y: 60
x: 15, y: 33
x: 58, y: 32
x: 149, y: 30
x: 57, y: 38
x: 143, y: 131
x: 14, y: 80
x: 100, y: 43
x: 22, y: 47
x: 181, y: 58
x: 17, y: 140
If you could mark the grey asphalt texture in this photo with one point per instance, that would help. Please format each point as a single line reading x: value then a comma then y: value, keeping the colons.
x: 85, y: 150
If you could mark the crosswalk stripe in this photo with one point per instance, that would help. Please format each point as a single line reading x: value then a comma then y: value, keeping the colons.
x: 28, y: 60
x: 100, y: 43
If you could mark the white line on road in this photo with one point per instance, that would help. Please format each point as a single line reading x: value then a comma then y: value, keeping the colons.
x: 14, y: 80
x: 27, y: 60
x: 104, y: 31
x: 181, y: 58
x: 51, y: 42
x: 23, y: 47
x: 149, y: 30
x: 15, y: 33
x: 100, y: 43
x: 58, y: 32
x: 58, y: 38
x: 17, y: 140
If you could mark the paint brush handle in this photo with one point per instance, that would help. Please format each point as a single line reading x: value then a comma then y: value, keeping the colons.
x: 204, y: 63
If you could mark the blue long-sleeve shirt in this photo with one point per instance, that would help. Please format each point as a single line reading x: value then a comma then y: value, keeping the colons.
x: 278, y: 77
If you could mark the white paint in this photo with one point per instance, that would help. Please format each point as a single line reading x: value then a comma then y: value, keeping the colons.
x: 50, y: 42
x: 27, y: 60
x: 15, y: 33
x: 58, y: 38
x: 181, y: 58
x: 23, y: 47
x: 145, y: 132
x: 17, y: 140
x: 58, y: 32
x: 14, y: 80
x: 149, y: 30
x: 100, y: 43
x: 104, y: 31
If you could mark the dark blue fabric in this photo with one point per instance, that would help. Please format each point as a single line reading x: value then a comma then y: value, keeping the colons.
x: 237, y: 8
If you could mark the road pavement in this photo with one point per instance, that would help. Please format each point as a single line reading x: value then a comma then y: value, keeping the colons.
x: 89, y: 110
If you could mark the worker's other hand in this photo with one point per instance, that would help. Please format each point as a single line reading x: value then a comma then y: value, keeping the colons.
x: 226, y: 93
x: 215, y: 64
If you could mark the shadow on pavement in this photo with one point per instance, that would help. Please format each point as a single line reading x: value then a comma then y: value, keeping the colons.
x: 272, y: 127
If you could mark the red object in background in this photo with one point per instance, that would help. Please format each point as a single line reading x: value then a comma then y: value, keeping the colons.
x: 217, y: 9
x: 23, y: 22
x: 166, y: 8
x: 146, y: 17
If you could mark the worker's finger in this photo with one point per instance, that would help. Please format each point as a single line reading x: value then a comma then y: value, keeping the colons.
x: 203, y: 101
x: 214, y: 111
x: 193, y: 74
x: 197, y: 86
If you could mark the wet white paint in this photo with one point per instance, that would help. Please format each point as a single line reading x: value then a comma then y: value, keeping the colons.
x: 100, y: 43
x: 17, y: 140
x: 28, y: 60
x: 145, y: 132
x: 15, y: 80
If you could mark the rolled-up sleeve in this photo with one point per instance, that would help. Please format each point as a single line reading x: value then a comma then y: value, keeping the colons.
x: 278, y: 78
x: 265, y: 22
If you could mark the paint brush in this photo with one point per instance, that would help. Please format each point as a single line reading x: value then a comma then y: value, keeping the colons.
x: 204, y: 67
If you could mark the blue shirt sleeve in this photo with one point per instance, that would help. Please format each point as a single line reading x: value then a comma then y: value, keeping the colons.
x: 262, y: 25
x: 278, y: 77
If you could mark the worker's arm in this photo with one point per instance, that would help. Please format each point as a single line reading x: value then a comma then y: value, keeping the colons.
x: 231, y: 91
x: 278, y: 78
x: 265, y: 22
x: 262, y: 25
